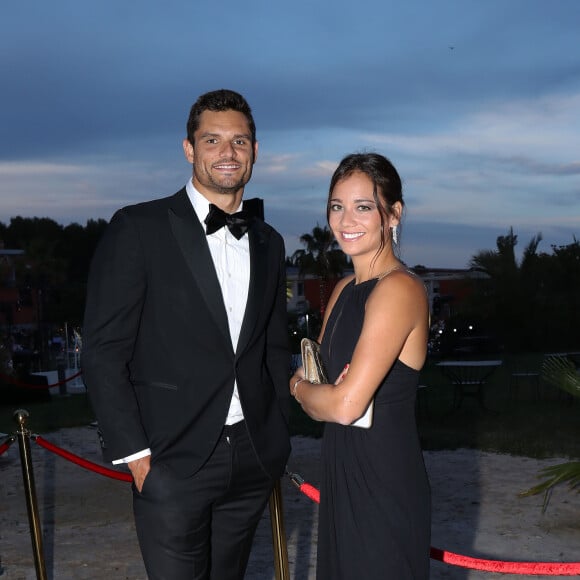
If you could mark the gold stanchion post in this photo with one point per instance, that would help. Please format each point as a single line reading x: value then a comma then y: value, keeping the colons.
x: 279, y: 534
x: 23, y: 434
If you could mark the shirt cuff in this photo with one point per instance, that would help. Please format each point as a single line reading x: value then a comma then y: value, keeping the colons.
x: 133, y: 457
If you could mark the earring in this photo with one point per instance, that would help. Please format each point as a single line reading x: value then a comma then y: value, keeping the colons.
x: 395, y: 235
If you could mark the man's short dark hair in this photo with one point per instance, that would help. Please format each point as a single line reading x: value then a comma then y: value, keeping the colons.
x: 220, y: 100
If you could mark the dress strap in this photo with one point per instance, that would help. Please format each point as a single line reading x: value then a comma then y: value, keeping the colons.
x: 385, y: 274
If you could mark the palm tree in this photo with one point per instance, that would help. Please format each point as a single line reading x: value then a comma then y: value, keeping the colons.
x: 531, y: 304
x: 559, y: 371
x: 506, y: 299
x: 322, y: 257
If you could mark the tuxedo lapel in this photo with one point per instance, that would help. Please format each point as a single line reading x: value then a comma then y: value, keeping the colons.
x: 258, y: 239
x: 191, y: 238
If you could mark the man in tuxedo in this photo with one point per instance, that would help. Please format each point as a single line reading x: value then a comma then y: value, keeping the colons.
x: 186, y: 357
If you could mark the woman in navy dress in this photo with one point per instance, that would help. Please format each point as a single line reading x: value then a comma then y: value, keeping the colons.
x: 374, y: 518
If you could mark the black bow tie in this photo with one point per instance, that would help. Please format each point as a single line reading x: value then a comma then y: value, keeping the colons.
x: 237, y: 223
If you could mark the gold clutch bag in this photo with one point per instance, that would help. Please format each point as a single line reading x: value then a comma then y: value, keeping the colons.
x: 315, y: 373
x: 312, y: 362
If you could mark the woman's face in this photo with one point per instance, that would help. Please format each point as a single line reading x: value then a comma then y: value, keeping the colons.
x: 354, y: 217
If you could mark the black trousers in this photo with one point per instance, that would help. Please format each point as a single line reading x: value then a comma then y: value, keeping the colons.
x: 202, y: 527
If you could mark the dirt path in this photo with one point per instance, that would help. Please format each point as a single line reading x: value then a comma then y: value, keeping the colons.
x: 88, y: 528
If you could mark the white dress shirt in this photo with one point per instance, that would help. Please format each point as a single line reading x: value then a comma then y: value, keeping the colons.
x: 231, y: 258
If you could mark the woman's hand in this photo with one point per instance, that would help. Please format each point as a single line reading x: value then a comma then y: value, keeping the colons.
x: 295, y: 380
x: 342, y: 374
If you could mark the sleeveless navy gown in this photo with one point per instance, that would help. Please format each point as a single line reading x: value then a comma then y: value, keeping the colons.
x: 374, y: 516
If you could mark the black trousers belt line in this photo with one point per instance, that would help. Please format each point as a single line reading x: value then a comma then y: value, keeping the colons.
x: 234, y: 430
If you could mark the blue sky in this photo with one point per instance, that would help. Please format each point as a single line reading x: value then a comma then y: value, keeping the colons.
x: 477, y: 103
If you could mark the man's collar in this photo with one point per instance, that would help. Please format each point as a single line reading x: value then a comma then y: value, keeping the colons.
x: 200, y: 203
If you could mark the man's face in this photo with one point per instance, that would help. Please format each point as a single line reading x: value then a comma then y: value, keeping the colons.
x: 223, y: 154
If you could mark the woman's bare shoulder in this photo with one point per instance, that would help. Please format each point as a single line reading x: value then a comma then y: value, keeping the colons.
x: 401, y: 277
x: 401, y: 285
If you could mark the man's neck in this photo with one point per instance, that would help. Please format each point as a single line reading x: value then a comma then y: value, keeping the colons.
x: 226, y: 201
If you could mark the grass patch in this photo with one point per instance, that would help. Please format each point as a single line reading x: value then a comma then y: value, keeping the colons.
x: 543, y: 427
x: 48, y: 415
x: 535, y: 422
x: 548, y: 426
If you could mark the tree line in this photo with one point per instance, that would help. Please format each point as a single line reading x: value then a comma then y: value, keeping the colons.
x: 531, y: 304
x: 56, y: 262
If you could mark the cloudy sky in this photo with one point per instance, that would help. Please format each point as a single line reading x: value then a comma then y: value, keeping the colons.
x: 476, y: 102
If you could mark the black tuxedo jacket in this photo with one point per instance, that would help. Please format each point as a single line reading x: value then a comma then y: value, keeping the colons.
x: 158, y: 360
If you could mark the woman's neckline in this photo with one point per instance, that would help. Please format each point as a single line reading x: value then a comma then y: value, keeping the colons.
x: 381, y: 275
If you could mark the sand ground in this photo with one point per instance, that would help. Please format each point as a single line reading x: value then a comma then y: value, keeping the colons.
x: 88, y: 529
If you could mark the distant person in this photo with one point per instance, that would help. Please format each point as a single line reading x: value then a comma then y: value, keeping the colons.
x: 186, y: 358
x: 374, y: 520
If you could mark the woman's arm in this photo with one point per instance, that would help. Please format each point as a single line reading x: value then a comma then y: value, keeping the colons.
x: 395, y: 326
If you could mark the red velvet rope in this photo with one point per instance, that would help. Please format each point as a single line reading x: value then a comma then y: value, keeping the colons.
x: 4, y: 445
x: 500, y: 566
x: 310, y: 491
x: 18, y: 383
x: 503, y: 567
x: 112, y: 473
